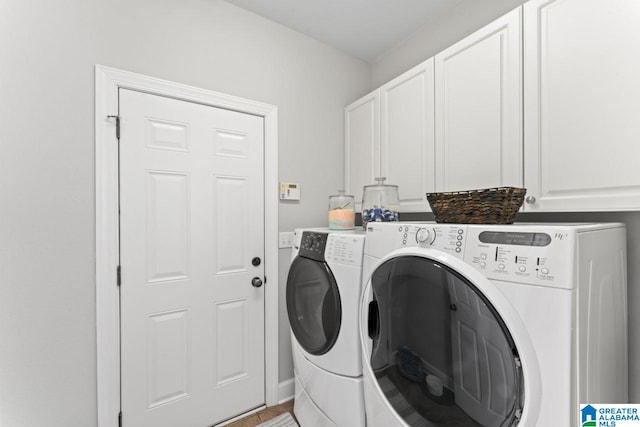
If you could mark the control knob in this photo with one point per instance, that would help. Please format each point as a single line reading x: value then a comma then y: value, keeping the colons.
x: 423, y: 235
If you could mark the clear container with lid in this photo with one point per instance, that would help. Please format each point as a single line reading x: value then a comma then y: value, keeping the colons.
x: 380, y: 202
x: 342, y: 213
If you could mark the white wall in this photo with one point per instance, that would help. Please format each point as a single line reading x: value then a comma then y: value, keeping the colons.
x: 469, y: 16
x: 47, y: 258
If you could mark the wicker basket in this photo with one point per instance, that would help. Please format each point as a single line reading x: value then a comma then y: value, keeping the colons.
x: 486, y: 206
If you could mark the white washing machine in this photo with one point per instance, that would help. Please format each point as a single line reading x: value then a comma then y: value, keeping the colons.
x: 323, y: 295
x: 492, y: 325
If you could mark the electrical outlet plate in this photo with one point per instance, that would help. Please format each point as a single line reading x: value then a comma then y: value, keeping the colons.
x: 285, y: 239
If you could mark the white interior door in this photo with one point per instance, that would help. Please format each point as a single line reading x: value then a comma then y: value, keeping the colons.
x: 191, y: 222
x: 482, y: 372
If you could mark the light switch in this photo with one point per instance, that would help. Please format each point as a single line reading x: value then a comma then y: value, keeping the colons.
x: 285, y: 239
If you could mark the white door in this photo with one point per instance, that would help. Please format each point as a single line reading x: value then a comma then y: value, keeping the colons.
x: 191, y: 222
x: 482, y: 361
x: 407, y: 134
x: 479, y: 109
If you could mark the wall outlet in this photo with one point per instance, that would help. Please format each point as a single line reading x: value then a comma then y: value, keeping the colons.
x: 285, y: 239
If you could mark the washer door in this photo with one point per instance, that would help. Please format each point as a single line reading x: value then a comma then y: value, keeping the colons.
x: 313, y: 305
x: 439, y: 350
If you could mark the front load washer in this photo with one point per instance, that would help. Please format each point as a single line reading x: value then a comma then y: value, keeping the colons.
x: 492, y: 325
x: 323, y: 294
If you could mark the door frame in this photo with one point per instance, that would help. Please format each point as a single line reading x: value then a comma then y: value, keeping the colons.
x: 107, y: 83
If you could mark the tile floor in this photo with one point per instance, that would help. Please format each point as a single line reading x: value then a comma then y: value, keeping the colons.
x: 264, y: 415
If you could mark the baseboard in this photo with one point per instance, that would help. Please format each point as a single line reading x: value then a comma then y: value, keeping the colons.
x: 286, y: 390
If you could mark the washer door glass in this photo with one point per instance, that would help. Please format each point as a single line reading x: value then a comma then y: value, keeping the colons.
x: 313, y: 305
x: 441, y: 353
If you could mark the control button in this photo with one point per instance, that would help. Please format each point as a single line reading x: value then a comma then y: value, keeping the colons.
x: 501, y: 266
x: 522, y: 268
x: 459, y: 237
x: 404, y: 235
x: 483, y: 256
x: 406, y: 228
x: 404, y: 241
x: 483, y: 264
x: 458, y: 243
x: 400, y: 229
x: 458, y: 249
x: 460, y: 231
x: 544, y: 271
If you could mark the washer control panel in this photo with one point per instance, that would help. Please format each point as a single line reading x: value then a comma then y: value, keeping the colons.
x: 341, y: 248
x: 312, y: 245
x: 345, y: 249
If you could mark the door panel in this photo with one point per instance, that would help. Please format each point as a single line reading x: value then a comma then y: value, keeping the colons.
x: 581, y: 68
x: 481, y: 357
x: 191, y: 188
x: 479, y: 109
x: 407, y: 135
x: 362, y: 141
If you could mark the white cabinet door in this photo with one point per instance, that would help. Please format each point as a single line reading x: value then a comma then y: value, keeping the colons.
x: 479, y: 109
x: 582, y: 104
x: 407, y: 135
x: 362, y: 145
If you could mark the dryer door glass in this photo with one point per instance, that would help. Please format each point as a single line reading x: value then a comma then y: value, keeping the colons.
x: 441, y: 354
x: 313, y: 305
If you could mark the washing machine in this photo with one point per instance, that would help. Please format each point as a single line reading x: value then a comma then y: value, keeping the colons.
x: 323, y: 295
x: 492, y: 325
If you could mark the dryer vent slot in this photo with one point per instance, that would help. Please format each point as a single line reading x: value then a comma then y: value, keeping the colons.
x: 374, y: 320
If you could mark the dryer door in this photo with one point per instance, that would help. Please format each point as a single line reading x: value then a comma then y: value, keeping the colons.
x: 440, y: 351
x: 313, y: 305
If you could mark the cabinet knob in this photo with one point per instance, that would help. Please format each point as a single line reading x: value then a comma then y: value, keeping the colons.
x: 530, y: 199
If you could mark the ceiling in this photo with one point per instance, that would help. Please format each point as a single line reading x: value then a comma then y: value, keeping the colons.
x: 362, y: 28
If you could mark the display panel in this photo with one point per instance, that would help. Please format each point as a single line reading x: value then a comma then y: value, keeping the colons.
x: 514, y: 238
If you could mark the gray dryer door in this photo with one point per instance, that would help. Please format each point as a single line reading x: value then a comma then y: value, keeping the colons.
x: 441, y: 353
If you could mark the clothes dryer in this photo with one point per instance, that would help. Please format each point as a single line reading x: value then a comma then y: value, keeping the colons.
x: 323, y: 294
x: 492, y: 325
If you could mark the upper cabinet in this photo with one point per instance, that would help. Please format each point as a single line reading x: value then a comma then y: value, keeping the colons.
x: 390, y: 133
x: 478, y: 110
x: 546, y: 98
x: 362, y: 145
x: 582, y: 105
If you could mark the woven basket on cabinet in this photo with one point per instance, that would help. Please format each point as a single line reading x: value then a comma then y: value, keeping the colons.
x: 485, y: 206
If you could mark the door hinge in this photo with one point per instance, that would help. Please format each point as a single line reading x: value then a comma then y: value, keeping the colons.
x: 117, y: 125
x: 120, y: 419
x: 118, y: 275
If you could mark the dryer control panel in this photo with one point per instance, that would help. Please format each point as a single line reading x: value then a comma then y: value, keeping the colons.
x: 530, y: 254
x: 523, y: 254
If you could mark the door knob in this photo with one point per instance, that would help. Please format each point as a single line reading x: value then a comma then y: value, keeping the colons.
x: 530, y: 200
x: 256, y: 261
x: 256, y: 282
